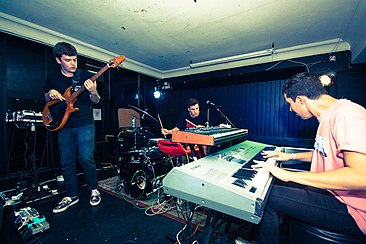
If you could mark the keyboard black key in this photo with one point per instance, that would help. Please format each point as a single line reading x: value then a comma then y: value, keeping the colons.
x: 240, y: 183
x: 269, y: 148
x: 244, y: 174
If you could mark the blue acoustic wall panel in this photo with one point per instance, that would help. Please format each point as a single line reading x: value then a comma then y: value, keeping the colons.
x: 259, y: 107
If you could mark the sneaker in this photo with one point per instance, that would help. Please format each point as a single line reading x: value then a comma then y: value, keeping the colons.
x: 65, y: 203
x: 95, y: 197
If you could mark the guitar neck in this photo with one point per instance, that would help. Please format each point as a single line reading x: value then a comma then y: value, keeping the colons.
x: 96, y: 76
x: 100, y: 72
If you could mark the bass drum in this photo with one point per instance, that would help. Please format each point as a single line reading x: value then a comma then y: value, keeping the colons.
x: 142, y: 171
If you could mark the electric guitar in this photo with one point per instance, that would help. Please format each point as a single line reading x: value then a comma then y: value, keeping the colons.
x: 56, y: 112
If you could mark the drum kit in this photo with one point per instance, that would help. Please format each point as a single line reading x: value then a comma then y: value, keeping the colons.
x: 142, y: 165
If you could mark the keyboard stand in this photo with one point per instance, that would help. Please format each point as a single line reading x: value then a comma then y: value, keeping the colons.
x: 210, y: 225
x: 211, y: 221
x: 209, y: 228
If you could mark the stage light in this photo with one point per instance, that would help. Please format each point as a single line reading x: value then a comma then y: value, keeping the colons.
x: 328, y: 78
x: 157, y: 93
x: 166, y: 86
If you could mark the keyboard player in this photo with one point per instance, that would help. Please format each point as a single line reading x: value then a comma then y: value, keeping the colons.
x: 190, y: 118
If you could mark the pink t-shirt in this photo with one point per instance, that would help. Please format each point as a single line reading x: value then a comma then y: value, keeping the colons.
x: 342, y: 127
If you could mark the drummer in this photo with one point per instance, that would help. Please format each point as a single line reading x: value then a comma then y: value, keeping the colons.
x: 191, y: 118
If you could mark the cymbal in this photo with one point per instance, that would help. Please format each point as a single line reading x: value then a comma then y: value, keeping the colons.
x: 144, y: 112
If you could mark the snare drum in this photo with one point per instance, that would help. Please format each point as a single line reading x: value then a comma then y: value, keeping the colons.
x: 154, y: 141
x: 133, y: 139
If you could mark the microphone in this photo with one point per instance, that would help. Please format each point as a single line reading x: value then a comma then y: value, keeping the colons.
x: 212, y: 104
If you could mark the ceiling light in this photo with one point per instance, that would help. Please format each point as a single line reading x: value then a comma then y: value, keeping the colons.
x: 257, y: 54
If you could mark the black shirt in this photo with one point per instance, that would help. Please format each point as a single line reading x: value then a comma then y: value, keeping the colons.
x: 201, y: 119
x: 59, y: 82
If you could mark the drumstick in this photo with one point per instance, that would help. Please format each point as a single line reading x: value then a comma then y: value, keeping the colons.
x: 161, y: 124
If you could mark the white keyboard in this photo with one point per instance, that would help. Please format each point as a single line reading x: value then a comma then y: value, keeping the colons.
x: 224, y: 181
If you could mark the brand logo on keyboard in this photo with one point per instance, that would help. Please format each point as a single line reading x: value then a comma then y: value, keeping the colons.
x: 195, y: 167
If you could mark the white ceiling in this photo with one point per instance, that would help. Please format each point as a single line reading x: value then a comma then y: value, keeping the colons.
x: 161, y: 38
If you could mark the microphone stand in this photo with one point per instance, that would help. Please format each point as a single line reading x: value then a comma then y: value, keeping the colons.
x: 224, y: 116
x: 208, y: 118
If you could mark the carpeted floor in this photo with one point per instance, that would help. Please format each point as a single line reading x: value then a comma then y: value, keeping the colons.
x: 154, y: 203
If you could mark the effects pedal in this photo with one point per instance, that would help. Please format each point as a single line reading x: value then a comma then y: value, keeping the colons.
x: 28, y: 222
x: 6, y: 201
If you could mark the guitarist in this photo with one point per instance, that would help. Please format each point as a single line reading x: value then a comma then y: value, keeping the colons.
x: 76, y: 137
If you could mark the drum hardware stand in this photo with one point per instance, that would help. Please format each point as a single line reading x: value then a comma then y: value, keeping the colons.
x: 135, y: 139
x: 121, y: 185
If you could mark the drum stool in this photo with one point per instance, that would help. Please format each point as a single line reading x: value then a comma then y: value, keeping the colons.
x: 174, y: 149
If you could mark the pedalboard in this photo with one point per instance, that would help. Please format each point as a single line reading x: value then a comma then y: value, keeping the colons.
x: 28, y: 222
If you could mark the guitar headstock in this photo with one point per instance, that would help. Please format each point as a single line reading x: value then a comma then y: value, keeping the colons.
x: 114, y: 62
